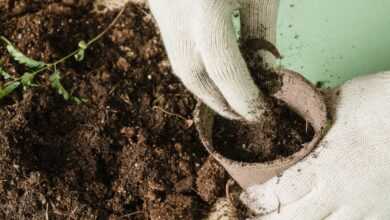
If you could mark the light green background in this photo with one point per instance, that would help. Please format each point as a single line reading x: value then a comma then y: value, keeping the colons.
x: 334, y: 40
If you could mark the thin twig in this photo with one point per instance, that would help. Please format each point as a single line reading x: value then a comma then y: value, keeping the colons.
x: 169, y: 113
x: 229, y: 183
x: 132, y: 214
x: 47, y: 211
x: 72, y: 213
x: 142, y: 10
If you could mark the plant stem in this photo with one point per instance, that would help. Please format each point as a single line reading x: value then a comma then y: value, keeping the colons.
x: 27, y: 78
x: 93, y: 40
x: 107, y: 28
x: 63, y: 58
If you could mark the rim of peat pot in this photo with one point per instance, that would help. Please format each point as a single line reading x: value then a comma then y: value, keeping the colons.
x: 300, y: 96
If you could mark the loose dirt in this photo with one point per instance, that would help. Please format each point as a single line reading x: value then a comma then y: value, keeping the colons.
x: 130, y: 152
x: 248, y: 142
x: 281, y: 133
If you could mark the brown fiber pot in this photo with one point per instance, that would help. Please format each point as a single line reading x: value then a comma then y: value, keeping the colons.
x: 302, y: 97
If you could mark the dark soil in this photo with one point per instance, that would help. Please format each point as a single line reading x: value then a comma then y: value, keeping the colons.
x: 281, y: 133
x: 241, y: 141
x: 130, y: 152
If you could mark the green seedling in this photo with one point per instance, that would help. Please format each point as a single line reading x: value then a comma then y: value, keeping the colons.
x: 4, y: 73
x: 34, y: 67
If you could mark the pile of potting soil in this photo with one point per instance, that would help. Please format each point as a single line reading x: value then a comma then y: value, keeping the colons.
x: 130, y: 152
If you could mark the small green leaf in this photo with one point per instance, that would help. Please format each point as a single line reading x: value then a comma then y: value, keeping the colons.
x: 27, y: 79
x: 20, y: 57
x: 55, y: 80
x: 79, y: 56
x: 79, y: 100
x: 4, y: 73
x: 83, y: 45
x: 9, y: 89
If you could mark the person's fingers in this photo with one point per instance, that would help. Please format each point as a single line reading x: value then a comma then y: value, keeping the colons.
x: 296, y: 195
x: 295, y: 185
x: 219, y: 50
x: 259, y: 21
x: 191, y: 72
x: 311, y: 184
x: 259, y: 18
x: 314, y: 206
x: 185, y: 61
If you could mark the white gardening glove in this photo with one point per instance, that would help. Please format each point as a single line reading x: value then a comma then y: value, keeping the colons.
x: 348, y: 176
x: 204, y: 52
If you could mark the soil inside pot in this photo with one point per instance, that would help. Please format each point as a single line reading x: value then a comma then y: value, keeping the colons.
x: 130, y: 152
x: 282, y: 133
x: 240, y: 141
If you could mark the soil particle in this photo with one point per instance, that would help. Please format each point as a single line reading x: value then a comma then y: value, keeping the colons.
x: 184, y: 185
x: 210, y: 178
x: 119, y: 156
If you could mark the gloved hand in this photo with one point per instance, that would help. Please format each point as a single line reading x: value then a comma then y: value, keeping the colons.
x: 348, y: 176
x: 204, y: 53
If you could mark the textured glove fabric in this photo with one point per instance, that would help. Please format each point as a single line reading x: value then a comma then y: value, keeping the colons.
x: 204, y: 53
x: 348, y: 176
